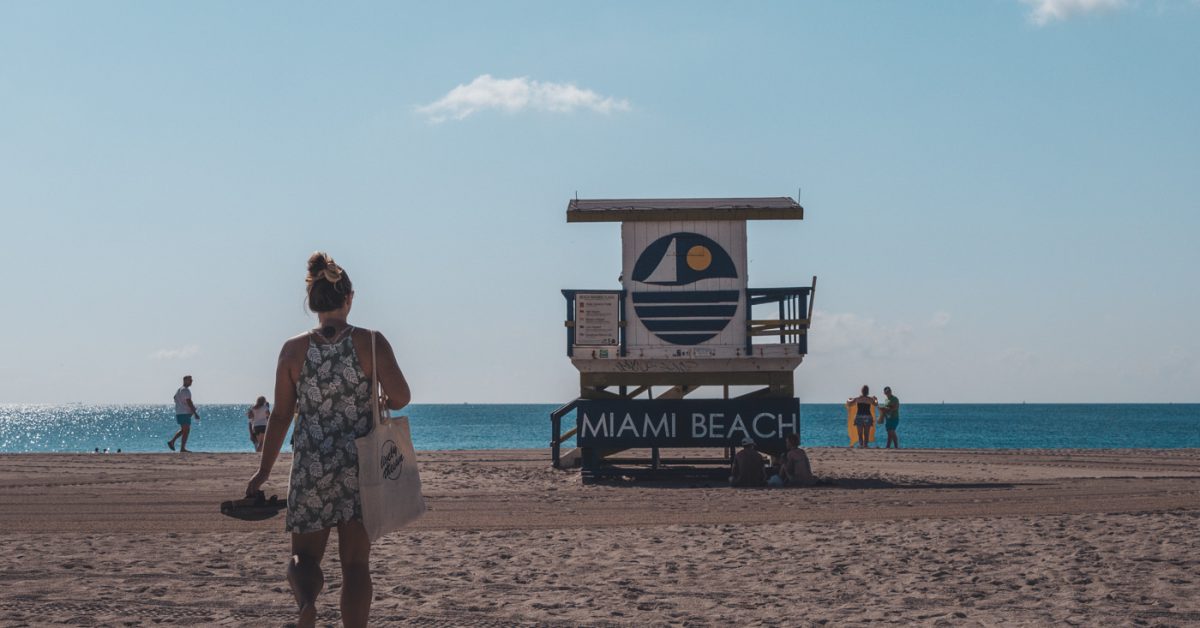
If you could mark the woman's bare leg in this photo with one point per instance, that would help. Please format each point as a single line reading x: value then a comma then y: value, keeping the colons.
x: 354, y: 549
x: 304, y: 573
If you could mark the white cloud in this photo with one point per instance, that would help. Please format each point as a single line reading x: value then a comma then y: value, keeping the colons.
x: 1018, y: 357
x: 859, y: 335
x: 1045, y: 11
x: 517, y: 94
x: 175, y: 354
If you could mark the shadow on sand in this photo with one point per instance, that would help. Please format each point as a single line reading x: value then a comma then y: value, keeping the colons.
x: 852, y: 484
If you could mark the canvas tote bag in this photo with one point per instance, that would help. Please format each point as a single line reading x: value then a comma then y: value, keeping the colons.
x: 388, y: 481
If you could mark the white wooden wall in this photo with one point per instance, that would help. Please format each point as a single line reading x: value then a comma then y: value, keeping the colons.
x: 729, y: 234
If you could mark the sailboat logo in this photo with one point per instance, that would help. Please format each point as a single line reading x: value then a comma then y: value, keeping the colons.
x: 680, y: 259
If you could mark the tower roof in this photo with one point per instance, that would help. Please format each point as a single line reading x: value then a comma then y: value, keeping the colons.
x: 643, y: 209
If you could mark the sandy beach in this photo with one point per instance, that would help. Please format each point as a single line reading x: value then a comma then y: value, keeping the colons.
x: 924, y: 537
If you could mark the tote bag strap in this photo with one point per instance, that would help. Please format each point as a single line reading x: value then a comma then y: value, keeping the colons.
x: 377, y: 417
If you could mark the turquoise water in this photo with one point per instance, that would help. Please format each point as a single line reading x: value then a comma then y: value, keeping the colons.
x: 142, y: 428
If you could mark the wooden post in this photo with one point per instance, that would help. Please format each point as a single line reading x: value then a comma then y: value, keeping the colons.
x: 555, y: 430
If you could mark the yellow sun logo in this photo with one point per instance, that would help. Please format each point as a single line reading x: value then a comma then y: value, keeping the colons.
x: 699, y: 257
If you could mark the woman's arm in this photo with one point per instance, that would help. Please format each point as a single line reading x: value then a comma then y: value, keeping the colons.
x: 287, y: 373
x: 390, y: 375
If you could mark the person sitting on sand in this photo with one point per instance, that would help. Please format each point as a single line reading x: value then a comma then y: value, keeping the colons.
x: 862, y: 405
x: 749, y: 469
x: 795, y: 470
x: 258, y: 414
x: 184, y: 411
x: 325, y: 375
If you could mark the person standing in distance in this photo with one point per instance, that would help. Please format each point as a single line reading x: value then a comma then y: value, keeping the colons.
x: 324, y: 376
x: 184, y: 411
x: 891, y: 417
x: 258, y: 415
x: 862, y: 405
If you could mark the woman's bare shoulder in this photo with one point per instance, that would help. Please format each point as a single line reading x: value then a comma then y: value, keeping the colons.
x: 363, y: 335
x: 295, y: 344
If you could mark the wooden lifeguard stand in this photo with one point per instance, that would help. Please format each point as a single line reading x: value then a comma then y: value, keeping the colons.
x: 683, y: 319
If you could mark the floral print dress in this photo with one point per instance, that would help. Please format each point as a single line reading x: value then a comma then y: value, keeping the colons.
x: 333, y: 402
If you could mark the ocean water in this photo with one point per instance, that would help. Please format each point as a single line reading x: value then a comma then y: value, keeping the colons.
x: 145, y: 428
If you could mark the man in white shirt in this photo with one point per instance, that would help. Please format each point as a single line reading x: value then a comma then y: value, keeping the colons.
x: 184, y: 411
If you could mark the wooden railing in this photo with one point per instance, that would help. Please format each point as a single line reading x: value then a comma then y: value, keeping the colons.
x: 557, y: 438
x: 795, y: 315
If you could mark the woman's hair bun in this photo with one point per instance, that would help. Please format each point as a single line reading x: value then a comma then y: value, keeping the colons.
x: 328, y: 284
x: 318, y: 262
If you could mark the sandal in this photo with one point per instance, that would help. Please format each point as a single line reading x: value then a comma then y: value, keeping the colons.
x: 255, y: 508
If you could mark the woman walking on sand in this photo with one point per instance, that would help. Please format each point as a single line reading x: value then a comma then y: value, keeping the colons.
x: 862, y: 405
x: 325, y: 375
x: 258, y: 415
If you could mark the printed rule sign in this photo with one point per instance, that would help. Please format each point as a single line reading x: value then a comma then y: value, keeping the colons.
x: 596, y: 319
x: 685, y: 422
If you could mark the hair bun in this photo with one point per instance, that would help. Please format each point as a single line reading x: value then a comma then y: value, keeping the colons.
x: 328, y: 283
x: 318, y: 262
x: 322, y: 266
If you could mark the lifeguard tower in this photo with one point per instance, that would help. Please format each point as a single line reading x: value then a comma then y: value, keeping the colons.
x: 684, y: 319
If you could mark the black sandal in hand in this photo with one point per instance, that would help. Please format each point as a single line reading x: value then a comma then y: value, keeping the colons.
x: 254, y: 508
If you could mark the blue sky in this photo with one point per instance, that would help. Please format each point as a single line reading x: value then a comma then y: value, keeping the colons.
x: 1000, y: 195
